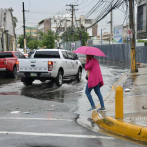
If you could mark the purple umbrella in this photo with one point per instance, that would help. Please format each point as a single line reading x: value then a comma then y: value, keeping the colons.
x: 87, y: 50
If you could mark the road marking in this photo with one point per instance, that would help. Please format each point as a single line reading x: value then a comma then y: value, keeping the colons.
x: 52, y: 119
x: 55, y: 135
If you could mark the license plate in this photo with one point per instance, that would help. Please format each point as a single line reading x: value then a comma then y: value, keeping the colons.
x: 33, y: 74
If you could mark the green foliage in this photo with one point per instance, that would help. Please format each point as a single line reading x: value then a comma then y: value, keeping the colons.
x: 33, y: 44
x: 15, y: 21
x: 145, y: 42
x: 79, y: 34
x: 21, y: 40
x: 49, y: 39
x: 44, y: 40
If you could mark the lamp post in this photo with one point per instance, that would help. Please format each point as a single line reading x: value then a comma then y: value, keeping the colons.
x: 101, y: 36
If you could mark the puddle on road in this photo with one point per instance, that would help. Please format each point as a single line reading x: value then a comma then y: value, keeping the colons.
x: 70, y: 89
x: 49, y: 91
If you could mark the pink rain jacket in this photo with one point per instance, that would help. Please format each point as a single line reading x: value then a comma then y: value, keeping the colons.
x: 95, y: 76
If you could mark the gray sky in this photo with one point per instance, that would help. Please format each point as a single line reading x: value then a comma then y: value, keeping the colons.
x: 52, y: 7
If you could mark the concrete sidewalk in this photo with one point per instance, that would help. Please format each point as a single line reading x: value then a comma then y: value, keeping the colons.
x: 134, y: 123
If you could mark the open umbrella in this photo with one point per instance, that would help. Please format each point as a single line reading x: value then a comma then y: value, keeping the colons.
x: 87, y: 50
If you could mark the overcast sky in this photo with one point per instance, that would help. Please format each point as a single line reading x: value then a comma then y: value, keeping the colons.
x: 38, y: 8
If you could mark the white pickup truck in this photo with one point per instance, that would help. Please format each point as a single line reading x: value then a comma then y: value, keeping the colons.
x: 49, y: 64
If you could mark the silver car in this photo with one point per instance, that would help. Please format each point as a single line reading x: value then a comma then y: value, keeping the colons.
x: 82, y: 59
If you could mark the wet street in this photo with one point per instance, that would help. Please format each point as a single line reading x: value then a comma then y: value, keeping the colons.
x: 44, y: 115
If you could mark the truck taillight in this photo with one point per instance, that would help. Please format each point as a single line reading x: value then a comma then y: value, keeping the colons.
x: 17, y: 65
x: 50, y: 65
x: 5, y: 62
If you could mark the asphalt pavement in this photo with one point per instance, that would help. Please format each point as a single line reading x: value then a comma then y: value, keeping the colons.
x: 43, y: 115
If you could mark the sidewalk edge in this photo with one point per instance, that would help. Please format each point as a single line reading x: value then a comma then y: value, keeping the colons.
x: 117, y: 126
x: 120, y: 127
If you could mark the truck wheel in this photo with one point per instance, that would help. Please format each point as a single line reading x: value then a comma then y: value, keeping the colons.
x: 14, y: 72
x: 79, y: 75
x: 27, y: 82
x: 59, y: 79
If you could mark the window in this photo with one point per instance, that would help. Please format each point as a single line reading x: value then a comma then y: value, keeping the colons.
x: 6, y: 55
x: 141, y: 16
x: 75, y: 56
x: 64, y: 53
x: 16, y: 54
x: 47, y: 54
x: 70, y: 56
x: 21, y: 55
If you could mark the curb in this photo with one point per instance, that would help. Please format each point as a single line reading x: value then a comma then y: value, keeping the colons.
x: 120, y: 127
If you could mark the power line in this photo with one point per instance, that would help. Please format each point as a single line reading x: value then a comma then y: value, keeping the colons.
x: 18, y: 28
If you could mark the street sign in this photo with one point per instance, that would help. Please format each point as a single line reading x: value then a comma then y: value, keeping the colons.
x: 129, y: 33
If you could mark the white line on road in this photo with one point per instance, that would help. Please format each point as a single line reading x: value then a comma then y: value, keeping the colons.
x: 54, y: 135
x: 52, y: 119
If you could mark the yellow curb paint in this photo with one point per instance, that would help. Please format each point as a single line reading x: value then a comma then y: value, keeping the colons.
x: 116, y: 126
x: 143, y: 135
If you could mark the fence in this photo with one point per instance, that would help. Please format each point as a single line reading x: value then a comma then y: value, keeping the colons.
x: 116, y: 52
x: 122, y: 53
x: 67, y: 45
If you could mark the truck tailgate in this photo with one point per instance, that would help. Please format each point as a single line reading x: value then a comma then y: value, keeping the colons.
x: 32, y: 65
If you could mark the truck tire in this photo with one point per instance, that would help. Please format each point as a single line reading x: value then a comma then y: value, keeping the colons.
x: 59, y: 78
x: 27, y: 82
x: 79, y: 75
x: 14, y: 72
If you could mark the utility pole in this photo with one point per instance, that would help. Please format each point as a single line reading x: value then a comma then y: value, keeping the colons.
x: 72, y: 24
x: 24, y: 27
x: 111, y: 27
x: 132, y: 40
x: 127, y: 26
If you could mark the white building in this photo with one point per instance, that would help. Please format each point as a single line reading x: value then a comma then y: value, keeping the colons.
x: 60, y: 23
x: 7, y: 32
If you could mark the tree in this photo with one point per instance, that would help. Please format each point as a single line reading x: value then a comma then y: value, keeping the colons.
x: 79, y: 34
x: 49, y: 39
x: 15, y: 20
x: 21, y: 40
x: 33, y: 44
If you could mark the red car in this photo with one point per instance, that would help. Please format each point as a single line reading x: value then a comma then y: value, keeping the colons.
x: 8, y: 61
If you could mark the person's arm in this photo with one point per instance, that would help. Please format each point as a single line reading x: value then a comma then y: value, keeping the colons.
x: 88, y: 65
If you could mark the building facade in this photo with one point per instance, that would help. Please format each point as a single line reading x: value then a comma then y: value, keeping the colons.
x: 31, y: 31
x: 60, y: 23
x: 141, y: 19
x: 7, y: 31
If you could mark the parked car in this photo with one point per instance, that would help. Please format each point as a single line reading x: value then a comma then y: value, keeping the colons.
x: 8, y: 61
x: 49, y: 64
x: 82, y: 59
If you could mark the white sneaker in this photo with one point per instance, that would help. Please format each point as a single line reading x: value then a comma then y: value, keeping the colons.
x: 92, y: 108
x: 102, y: 109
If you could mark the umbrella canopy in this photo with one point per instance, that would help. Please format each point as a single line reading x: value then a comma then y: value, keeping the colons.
x: 87, y: 50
